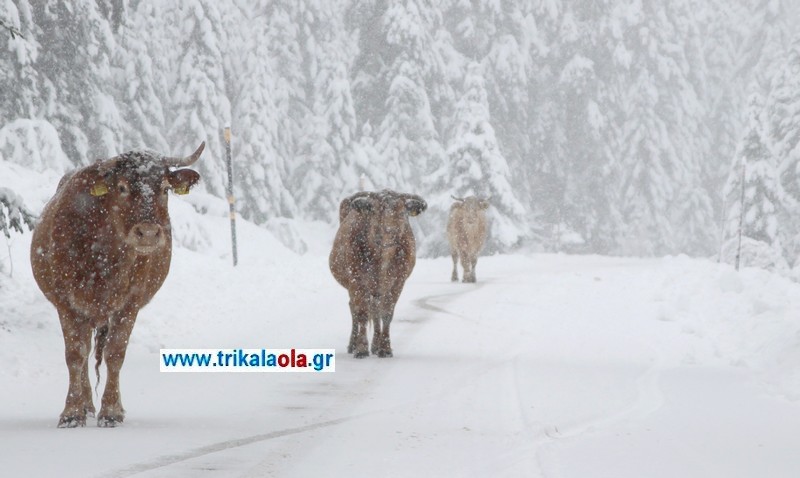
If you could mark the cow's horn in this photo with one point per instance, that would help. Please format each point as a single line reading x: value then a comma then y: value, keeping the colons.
x: 188, y: 160
x: 457, y: 199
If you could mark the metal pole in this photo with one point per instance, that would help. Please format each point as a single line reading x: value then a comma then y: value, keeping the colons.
x: 226, y: 134
x: 741, y: 213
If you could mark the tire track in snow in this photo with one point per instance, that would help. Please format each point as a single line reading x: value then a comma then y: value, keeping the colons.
x: 423, y: 303
x: 167, y: 460
x: 649, y: 399
x: 649, y: 396
x: 426, y: 303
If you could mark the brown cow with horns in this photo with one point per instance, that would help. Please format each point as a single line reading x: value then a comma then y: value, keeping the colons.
x: 466, y: 233
x: 373, y: 254
x: 100, y: 252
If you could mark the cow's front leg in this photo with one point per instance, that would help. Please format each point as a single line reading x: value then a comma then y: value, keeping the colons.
x: 466, y: 264
x: 473, y: 262
x: 359, y: 309
x: 119, y: 331
x: 454, y: 275
x: 77, y: 342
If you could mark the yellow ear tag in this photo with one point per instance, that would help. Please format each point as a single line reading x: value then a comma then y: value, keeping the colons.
x: 413, y: 213
x: 99, y: 189
x: 182, y: 189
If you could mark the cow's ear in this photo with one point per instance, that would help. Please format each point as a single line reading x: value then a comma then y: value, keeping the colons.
x: 361, y: 204
x: 182, y: 180
x: 415, y: 206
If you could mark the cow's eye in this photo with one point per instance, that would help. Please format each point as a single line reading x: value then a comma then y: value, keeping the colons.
x: 123, y: 189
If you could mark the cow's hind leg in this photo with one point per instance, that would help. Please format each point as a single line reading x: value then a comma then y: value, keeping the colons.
x: 351, y: 346
x: 77, y: 340
x: 377, y: 328
x: 454, y: 275
x: 385, y: 343
x: 119, y: 331
x: 376, y: 335
x: 359, y: 309
x: 386, y: 312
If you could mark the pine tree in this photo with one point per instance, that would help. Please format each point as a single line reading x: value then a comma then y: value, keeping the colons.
x: 138, y: 81
x: 783, y: 105
x: 663, y: 141
x: 476, y: 165
x: 725, y: 99
x: 365, y: 156
x: 577, y: 184
x: 199, y: 107
x: 76, y: 46
x: 408, y: 140
x: 753, y: 160
x: 783, y: 121
x: 285, y: 41
x: 769, y: 25
x: 19, y: 79
x: 325, y: 171
x: 364, y: 20
x: 399, y: 86
x: 260, y: 170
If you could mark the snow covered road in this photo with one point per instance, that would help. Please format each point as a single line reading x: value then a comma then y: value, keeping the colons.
x: 551, y: 365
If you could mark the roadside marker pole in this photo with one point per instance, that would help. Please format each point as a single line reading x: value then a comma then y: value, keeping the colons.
x: 226, y: 134
x: 741, y: 212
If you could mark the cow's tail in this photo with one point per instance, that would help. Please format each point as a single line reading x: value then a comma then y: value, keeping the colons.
x: 100, y: 335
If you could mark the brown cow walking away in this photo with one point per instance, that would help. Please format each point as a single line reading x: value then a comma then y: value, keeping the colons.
x: 100, y: 252
x: 373, y: 254
x: 466, y: 233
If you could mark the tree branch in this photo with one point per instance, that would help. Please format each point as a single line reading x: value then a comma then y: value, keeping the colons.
x: 11, y: 29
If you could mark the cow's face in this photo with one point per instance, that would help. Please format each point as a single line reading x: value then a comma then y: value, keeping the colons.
x: 473, y: 206
x: 133, y: 190
x: 387, y: 214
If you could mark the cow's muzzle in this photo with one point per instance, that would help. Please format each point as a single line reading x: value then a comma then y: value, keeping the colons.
x: 146, y: 238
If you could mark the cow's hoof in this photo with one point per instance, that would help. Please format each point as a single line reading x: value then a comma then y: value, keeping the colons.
x: 454, y: 279
x: 385, y: 353
x: 109, y: 422
x: 350, y: 349
x: 361, y: 354
x: 89, y: 412
x: 71, y: 422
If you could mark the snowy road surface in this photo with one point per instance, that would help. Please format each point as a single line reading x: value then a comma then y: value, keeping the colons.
x: 551, y: 365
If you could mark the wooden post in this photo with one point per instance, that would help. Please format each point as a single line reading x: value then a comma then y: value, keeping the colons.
x: 226, y: 134
x: 741, y: 213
